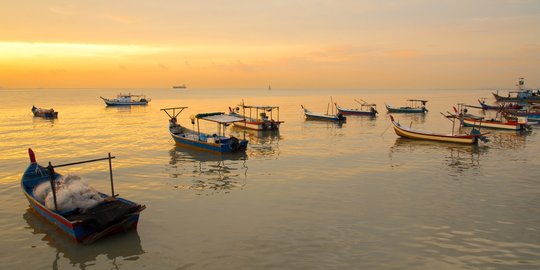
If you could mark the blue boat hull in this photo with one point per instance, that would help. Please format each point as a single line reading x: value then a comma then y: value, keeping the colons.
x: 223, y: 147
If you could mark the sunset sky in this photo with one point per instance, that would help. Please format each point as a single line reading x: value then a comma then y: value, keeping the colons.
x: 424, y: 44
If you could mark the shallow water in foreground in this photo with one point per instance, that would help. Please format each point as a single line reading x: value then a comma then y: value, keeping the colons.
x: 316, y: 195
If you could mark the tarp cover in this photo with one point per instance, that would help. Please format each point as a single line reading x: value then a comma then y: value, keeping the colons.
x: 105, y: 214
x: 223, y: 118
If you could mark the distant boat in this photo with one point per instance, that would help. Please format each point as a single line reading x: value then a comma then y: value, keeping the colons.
x: 260, y: 121
x: 521, y: 95
x: 408, y: 132
x: 269, y: 87
x: 183, y: 86
x: 46, y: 113
x: 126, y: 99
x: 216, y: 143
x: 111, y: 215
x: 416, y: 106
x: 365, y: 109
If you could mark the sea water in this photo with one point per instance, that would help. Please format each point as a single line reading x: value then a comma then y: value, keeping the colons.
x: 315, y: 195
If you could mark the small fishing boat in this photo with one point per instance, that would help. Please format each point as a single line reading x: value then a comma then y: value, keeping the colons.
x: 365, y: 109
x: 46, y: 113
x: 339, y: 117
x: 520, y: 95
x: 260, y: 121
x: 183, y: 86
x: 503, y: 106
x: 108, y: 215
x: 416, y: 106
x: 127, y: 99
x: 409, y: 132
x: 216, y: 143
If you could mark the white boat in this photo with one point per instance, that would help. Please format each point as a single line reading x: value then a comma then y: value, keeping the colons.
x: 127, y: 99
x: 256, y: 117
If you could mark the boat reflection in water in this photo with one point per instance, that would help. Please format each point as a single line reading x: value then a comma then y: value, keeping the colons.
x: 458, y: 157
x: 117, y: 247
x: 264, y: 144
x: 207, y: 172
x: 126, y: 109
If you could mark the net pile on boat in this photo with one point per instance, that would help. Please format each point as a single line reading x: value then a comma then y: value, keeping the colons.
x: 72, y: 193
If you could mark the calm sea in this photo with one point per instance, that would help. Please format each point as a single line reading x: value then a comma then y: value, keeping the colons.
x: 315, y: 195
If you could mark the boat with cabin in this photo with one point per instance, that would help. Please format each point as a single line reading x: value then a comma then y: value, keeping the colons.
x: 256, y: 117
x: 408, y: 132
x: 365, y: 109
x: 126, y: 99
x: 520, y: 95
x: 46, y: 113
x: 94, y: 216
x: 415, y: 106
x: 216, y: 142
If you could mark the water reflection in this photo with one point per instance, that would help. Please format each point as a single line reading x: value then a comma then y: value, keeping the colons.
x: 43, y: 122
x: 127, y: 109
x: 264, y: 144
x: 124, y: 246
x: 407, y: 118
x: 207, y: 172
x: 459, y: 158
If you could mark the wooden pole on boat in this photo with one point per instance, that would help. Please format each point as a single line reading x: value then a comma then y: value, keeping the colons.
x: 111, y: 174
x: 53, y: 186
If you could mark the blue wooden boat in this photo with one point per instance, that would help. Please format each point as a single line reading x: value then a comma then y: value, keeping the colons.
x: 339, y: 117
x: 216, y: 143
x: 112, y: 215
x: 509, y: 106
x: 126, y: 99
x: 46, y: 113
x: 416, y: 106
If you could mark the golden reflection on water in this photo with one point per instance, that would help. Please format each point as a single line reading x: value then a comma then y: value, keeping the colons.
x: 207, y: 172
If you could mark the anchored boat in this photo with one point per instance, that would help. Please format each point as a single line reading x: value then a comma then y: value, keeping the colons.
x: 110, y: 215
x: 46, y: 113
x: 126, y: 99
x: 262, y: 119
x: 409, y: 132
x: 339, y: 117
x: 520, y: 95
x: 470, y: 120
x: 216, y: 143
x: 415, y: 106
x: 365, y: 109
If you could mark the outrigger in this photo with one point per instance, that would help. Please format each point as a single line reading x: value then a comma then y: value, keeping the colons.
x: 261, y: 120
x: 216, y: 143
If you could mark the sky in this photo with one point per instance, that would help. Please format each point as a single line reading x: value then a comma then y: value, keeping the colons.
x: 346, y: 44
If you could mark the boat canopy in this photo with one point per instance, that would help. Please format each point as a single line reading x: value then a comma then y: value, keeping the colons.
x: 260, y: 107
x: 418, y: 100
x: 219, y: 117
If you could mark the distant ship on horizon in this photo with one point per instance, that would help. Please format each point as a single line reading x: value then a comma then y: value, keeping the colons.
x: 183, y: 86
